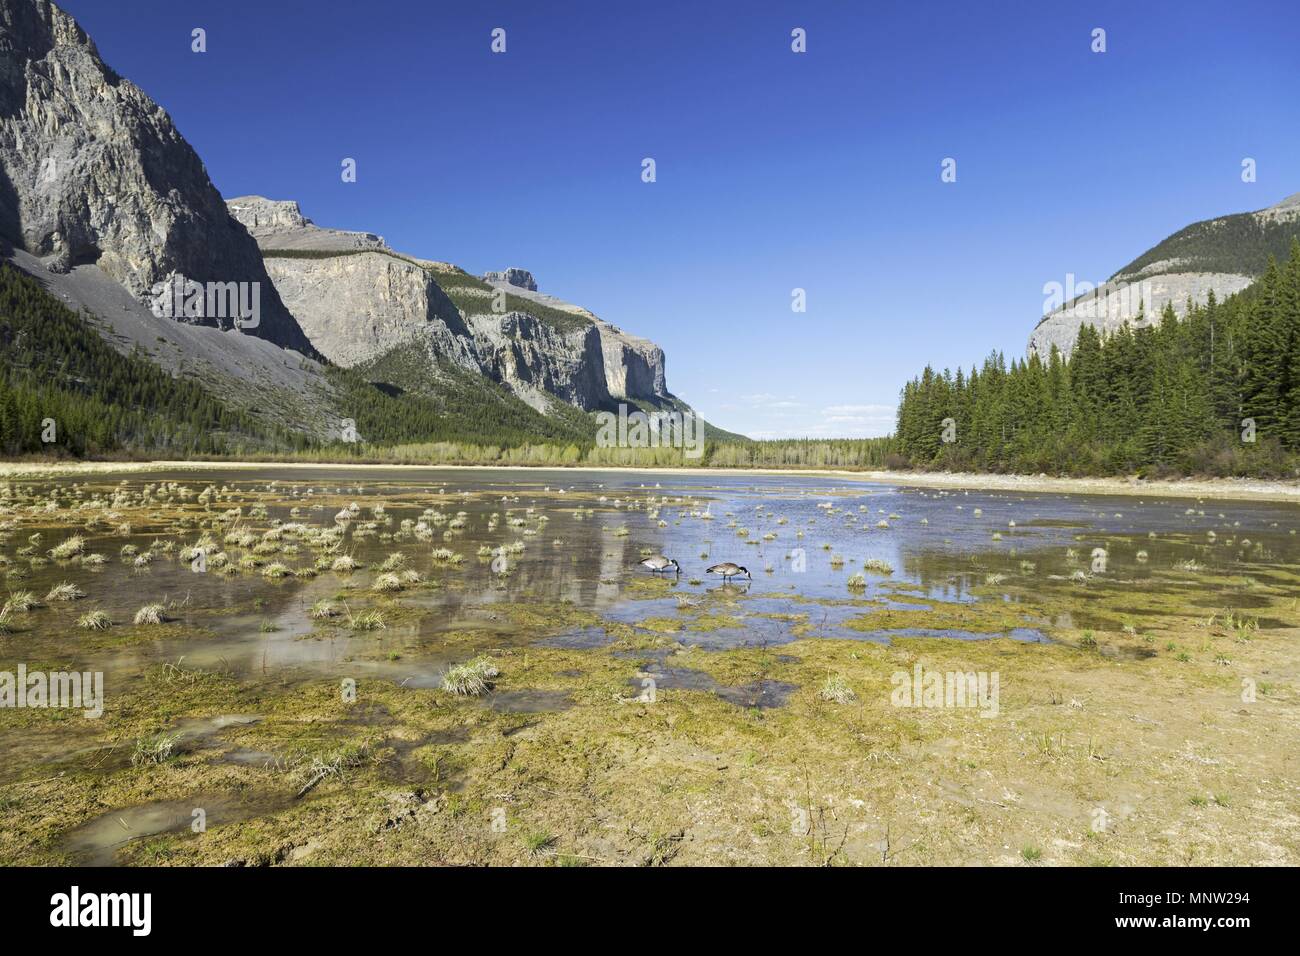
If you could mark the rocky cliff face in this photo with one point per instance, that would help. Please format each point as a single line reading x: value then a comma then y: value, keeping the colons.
x: 1222, y: 256
x: 92, y: 171
x: 634, y: 367
x: 284, y: 222
x: 357, y: 299
x: 521, y: 278
x: 357, y: 306
x: 534, y: 360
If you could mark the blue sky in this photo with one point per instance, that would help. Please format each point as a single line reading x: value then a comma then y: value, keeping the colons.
x: 775, y: 170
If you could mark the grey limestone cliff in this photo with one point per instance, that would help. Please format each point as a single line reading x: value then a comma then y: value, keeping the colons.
x: 92, y: 171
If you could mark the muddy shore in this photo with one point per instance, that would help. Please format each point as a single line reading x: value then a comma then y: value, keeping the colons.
x: 1235, y: 489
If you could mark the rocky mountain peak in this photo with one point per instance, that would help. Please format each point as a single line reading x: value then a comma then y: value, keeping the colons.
x: 93, y: 172
x: 516, y: 277
x: 258, y: 212
x: 280, y: 224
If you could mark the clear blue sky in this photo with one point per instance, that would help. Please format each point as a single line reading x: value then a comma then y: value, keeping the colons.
x: 775, y: 170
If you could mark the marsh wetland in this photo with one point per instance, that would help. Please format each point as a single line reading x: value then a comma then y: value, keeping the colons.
x: 444, y: 666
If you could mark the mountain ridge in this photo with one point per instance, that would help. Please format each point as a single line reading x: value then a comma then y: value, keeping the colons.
x: 1223, y: 255
x: 103, y: 202
x: 93, y: 171
x: 356, y: 298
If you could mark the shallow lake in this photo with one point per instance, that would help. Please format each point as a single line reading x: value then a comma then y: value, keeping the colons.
x: 825, y: 555
x: 583, y: 533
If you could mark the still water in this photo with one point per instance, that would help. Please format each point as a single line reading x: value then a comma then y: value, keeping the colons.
x: 577, y: 538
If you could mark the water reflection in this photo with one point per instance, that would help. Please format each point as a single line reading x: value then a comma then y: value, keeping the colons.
x: 821, y: 551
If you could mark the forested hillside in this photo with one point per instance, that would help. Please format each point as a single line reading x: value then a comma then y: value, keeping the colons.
x: 1242, y: 243
x: 58, y: 370
x: 1217, y: 393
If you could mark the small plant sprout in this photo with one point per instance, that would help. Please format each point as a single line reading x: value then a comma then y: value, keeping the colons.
x: 837, y: 690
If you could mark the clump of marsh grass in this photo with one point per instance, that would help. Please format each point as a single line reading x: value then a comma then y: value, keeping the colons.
x: 150, y: 614
x: 1242, y: 627
x: 323, y: 609
x: 539, y: 842
x: 471, y: 679
x: 395, y: 562
x: 837, y: 690
x: 367, y: 621
x: 344, y: 564
x: 150, y: 751
x: 333, y: 764
x: 387, y: 583
x: 275, y: 570
x: 64, y: 592
x: 68, y: 548
x: 171, y: 673
x: 22, y: 601
x: 94, y: 621
x: 857, y: 581
x: 877, y: 566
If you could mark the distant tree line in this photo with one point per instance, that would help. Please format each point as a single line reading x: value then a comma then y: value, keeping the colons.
x: 1215, y: 393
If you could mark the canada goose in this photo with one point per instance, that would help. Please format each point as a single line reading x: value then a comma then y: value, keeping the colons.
x: 660, y: 563
x: 729, y: 570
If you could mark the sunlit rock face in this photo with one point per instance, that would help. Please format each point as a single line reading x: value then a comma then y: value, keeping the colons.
x: 634, y: 366
x: 520, y: 278
x: 93, y: 171
x: 357, y: 299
